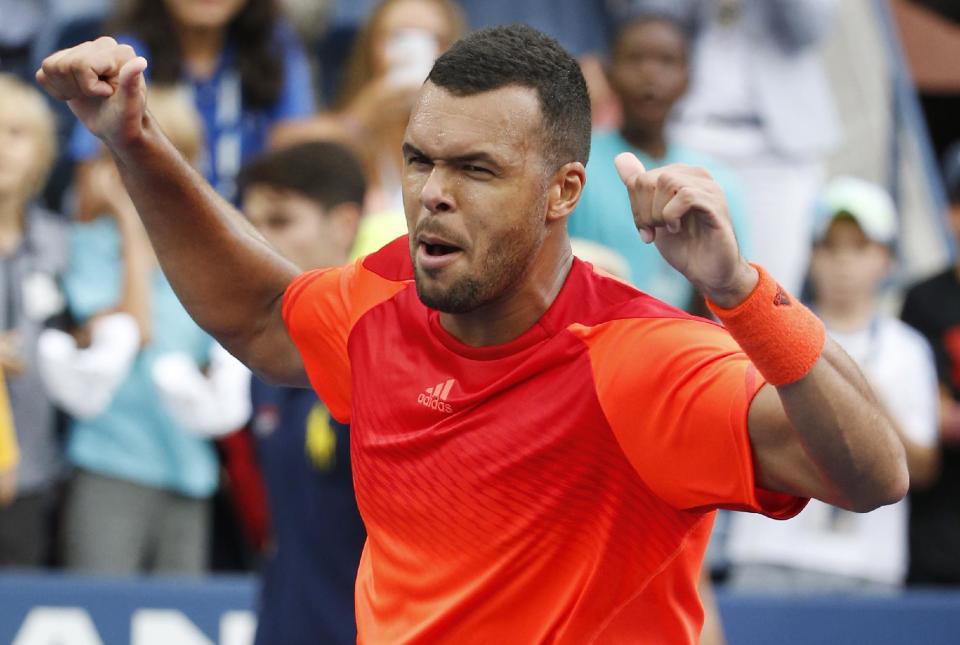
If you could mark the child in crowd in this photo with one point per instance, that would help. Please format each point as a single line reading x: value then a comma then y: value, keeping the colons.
x: 825, y: 548
x: 306, y: 201
x: 32, y: 258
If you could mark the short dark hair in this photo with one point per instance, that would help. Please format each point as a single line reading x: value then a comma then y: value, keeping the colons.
x: 322, y: 171
x: 496, y: 57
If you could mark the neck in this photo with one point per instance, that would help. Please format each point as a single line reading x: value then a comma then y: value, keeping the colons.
x: 201, y: 48
x: 507, y: 318
x: 12, y: 210
x: 847, y: 316
x: 650, y: 140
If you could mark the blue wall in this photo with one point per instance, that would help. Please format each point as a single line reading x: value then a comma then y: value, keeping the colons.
x: 916, y: 617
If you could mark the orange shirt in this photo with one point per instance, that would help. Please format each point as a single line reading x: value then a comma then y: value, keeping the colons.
x: 559, y: 488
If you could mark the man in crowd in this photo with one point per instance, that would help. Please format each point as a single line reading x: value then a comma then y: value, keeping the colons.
x: 933, y: 308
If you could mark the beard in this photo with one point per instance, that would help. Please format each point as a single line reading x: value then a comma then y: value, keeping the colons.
x: 503, y: 266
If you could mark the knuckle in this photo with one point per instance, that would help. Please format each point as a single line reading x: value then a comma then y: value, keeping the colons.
x: 664, y: 180
x: 126, y: 50
x: 105, y: 41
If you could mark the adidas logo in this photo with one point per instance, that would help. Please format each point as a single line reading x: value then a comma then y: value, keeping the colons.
x: 435, y: 397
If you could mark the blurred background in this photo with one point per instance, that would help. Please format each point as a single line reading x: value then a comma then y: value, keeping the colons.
x: 153, y: 491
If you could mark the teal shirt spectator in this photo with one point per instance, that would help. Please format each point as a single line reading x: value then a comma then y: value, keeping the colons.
x: 135, y: 439
x: 603, y: 214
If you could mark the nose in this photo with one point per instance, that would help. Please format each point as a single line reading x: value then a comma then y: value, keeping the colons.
x: 435, y: 195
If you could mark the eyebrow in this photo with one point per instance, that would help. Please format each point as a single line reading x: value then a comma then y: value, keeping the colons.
x: 411, y: 150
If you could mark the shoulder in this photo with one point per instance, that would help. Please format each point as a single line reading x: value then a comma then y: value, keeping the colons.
x: 904, y: 339
x: 351, y: 290
x: 392, y: 262
x: 693, y: 157
x: 932, y: 286
x: 606, y: 303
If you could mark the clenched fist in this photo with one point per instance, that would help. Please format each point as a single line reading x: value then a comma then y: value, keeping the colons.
x: 102, y: 82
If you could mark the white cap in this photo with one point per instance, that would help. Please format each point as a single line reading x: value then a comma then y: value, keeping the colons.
x: 868, y: 204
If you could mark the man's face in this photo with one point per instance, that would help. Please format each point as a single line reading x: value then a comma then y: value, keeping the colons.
x: 648, y: 71
x: 296, y: 226
x: 474, y: 194
x: 847, y: 265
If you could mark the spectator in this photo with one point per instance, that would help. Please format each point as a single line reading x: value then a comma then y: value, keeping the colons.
x: 243, y: 65
x: 759, y: 102
x: 139, y: 497
x: 306, y: 200
x: 32, y: 258
x: 391, y: 58
x: 933, y: 308
x: 648, y: 72
x: 824, y: 548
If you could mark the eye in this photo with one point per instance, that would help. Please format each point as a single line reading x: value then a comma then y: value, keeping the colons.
x: 277, y: 222
x: 477, y: 170
x: 418, y: 161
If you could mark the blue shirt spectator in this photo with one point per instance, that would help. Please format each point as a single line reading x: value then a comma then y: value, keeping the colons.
x: 317, y: 534
x: 233, y: 132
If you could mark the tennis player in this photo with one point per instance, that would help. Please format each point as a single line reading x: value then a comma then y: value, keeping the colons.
x: 538, y: 449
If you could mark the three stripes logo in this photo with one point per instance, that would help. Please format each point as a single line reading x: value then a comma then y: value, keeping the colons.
x: 435, y: 397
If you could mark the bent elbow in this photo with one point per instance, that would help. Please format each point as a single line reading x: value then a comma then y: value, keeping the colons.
x: 885, y: 492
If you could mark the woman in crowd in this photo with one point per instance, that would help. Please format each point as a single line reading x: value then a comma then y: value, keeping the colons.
x: 242, y: 64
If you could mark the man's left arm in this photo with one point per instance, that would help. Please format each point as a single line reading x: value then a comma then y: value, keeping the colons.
x: 817, y: 430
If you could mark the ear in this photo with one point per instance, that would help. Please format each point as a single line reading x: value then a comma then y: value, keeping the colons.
x: 565, y: 190
x: 344, y: 222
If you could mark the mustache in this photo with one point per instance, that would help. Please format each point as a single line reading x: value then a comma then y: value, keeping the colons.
x: 430, y: 227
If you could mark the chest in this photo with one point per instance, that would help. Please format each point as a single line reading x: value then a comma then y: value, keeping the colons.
x: 480, y: 447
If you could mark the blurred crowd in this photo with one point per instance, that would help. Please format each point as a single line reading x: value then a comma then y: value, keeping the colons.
x: 130, y: 442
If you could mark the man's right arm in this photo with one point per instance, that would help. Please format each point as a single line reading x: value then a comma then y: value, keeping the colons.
x: 227, y: 276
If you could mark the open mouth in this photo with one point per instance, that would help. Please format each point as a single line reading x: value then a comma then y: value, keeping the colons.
x: 434, y: 253
x: 438, y: 250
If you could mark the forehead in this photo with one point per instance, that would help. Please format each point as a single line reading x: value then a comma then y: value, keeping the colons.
x: 505, y: 123
x: 653, y: 32
x: 262, y: 199
x: 844, y: 229
x: 414, y: 14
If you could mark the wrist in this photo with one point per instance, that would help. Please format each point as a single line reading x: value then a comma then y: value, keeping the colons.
x: 781, y: 337
x: 737, y: 290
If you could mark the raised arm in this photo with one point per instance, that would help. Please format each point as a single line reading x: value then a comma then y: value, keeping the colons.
x: 227, y: 276
x: 819, y: 432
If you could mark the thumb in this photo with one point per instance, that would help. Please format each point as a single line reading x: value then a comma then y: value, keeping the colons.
x: 131, y: 75
x: 628, y: 167
x: 131, y: 88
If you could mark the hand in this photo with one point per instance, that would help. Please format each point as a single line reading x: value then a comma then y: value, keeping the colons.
x: 8, y: 486
x: 102, y: 83
x: 683, y: 210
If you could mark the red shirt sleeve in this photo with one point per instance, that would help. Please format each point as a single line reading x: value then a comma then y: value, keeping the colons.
x: 676, y: 393
x: 320, y: 309
x: 316, y: 311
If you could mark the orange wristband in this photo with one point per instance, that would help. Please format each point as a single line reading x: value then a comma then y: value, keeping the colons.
x: 780, y: 335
